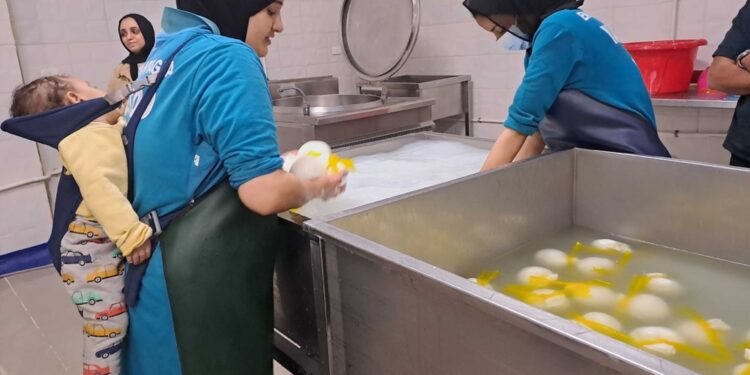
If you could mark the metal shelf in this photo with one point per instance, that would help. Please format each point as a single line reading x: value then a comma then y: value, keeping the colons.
x: 694, y: 99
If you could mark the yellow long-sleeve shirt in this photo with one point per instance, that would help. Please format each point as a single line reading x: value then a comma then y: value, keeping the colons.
x: 95, y: 156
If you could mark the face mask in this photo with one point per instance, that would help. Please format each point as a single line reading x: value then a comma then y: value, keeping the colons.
x: 515, y: 40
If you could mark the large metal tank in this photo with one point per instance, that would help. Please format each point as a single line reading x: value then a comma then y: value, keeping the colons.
x: 397, y: 305
x: 302, y: 338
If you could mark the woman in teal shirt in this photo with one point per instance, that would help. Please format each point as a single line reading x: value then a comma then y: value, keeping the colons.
x: 581, y: 87
x: 205, y: 303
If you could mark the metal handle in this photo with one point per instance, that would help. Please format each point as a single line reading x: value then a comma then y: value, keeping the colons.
x: 380, y: 91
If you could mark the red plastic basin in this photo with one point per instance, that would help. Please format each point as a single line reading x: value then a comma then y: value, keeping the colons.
x: 666, y: 66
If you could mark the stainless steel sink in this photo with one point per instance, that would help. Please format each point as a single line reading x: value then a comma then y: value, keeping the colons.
x: 325, y: 104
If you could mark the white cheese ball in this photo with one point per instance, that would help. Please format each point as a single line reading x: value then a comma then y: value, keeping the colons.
x: 604, y: 319
x: 741, y: 369
x: 607, y: 244
x: 319, y: 148
x: 648, y: 308
x: 308, y: 167
x: 662, y: 285
x: 595, y: 266
x: 694, y: 333
x: 525, y: 275
x: 552, y: 258
x: 599, y: 298
x: 555, y: 303
x: 656, y: 333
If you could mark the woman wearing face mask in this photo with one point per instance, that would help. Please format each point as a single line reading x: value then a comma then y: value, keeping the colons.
x: 581, y: 87
x: 205, y: 304
x: 137, y: 36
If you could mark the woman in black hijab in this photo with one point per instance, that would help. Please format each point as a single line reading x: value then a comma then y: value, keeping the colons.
x: 137, y: 36
x: 208, y: 142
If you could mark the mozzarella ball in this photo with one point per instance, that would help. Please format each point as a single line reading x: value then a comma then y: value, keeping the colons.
x: 551, y: 258
x: 648, y: 308
x: 316, y: 149
x: 599, y: 298
x: 661, y: 284
x: 741, y: 369
x: 551, y: 301
x: 533, y: 275
x: 595, y: 266
x: 607, y: 244
x: 657, y: 333
x: 604, y: 319
x: 307, y: 167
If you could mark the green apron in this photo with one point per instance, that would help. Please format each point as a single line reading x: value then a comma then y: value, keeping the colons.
x: 218, y: 265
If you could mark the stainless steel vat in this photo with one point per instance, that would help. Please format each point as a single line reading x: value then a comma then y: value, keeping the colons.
x: 324, y: 104
x: 396, y: 305
x: 302, y: 338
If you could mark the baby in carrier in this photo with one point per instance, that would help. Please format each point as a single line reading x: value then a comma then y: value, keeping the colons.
x: 105, y: 230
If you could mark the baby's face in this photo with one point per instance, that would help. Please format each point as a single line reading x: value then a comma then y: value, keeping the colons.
x: 84, y: 90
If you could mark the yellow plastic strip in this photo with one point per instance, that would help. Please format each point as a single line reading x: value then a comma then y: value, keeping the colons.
x: 486, y: 277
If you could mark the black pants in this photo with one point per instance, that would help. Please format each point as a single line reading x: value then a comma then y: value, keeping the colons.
x: 736, y: 161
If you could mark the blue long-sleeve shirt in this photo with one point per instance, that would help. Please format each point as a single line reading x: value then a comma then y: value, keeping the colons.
x: 572, y: 50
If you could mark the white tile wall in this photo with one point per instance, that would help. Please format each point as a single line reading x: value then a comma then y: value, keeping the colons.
x: 24, y: 212
x: 26, y: 219
x: 75, y: 37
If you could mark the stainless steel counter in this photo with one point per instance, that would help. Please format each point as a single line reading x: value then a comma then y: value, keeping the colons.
x: 695, y: 99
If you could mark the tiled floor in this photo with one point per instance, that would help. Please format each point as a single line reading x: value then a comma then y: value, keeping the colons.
x: 40, y: 330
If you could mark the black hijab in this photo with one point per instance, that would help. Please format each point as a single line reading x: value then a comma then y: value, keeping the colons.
x: 147, y: 29
x: 231, y: 16
x: 532, y: 11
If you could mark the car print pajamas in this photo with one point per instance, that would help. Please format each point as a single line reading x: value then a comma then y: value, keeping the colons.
x: 92, y: 270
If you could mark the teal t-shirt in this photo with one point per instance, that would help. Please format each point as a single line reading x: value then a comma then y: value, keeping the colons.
x: 572, y: 50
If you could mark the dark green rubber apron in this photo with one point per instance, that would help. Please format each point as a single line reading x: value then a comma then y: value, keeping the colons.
x: 218, y: 265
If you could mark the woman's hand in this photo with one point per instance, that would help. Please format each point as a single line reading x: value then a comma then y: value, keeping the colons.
x: 140, y: 254
x: 505, y: 149
x: 280, y: 191
x: 327, y: 186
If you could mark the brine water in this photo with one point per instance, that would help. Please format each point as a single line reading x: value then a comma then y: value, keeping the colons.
x: 714, y: 288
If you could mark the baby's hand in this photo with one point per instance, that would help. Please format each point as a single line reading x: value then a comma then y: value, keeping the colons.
x: 140, y: 254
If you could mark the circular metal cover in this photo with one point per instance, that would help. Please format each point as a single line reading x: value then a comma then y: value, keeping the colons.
x: 379, y: 35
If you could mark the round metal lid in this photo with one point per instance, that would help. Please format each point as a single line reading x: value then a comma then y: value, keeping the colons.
x: 379, y: 35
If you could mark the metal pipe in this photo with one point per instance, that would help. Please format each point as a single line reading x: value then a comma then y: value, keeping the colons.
x: 675, y: 18
x: 305, y: 105
x: 30, y: 181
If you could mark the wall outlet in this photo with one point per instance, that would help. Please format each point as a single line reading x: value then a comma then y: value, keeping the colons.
x: 336, y: 50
